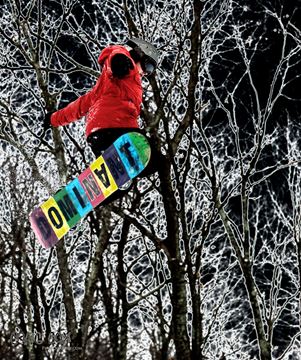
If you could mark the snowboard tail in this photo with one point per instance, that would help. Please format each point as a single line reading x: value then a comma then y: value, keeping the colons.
x: 126, y: 158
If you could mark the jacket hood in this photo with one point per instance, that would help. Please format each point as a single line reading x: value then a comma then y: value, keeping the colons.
x: 111, y: 49
x: 103, y: 55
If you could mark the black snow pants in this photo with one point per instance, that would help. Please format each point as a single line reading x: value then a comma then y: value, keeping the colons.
x: 100, y: 140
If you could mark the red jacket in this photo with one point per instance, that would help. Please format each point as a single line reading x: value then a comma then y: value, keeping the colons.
x: 111, y: 103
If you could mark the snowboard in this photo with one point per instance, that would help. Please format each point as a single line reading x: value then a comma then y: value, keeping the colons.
x: 120, y: 163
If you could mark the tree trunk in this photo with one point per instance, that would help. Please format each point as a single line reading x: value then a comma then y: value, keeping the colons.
x: 197, y: 335
x: 246, y: 267
x: 179, y: 294
x: 122, y: 284
x: 112, y: 318
x: 67, y: 290
x: 179, y: 305
x: 265, y: 350
x: 92, y: 278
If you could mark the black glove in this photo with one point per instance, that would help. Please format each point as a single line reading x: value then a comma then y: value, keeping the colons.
x: 47, y: 123
x: 121, y: 65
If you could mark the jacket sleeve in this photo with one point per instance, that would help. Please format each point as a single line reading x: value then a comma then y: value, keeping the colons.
x: 74, y: 110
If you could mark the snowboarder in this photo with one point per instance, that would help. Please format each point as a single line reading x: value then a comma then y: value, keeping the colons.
x: 112, y: 106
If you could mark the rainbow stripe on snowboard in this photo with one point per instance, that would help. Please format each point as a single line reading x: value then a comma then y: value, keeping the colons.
x: 121, y: 162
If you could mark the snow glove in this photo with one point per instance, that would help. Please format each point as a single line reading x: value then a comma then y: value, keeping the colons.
x: 121, y: 65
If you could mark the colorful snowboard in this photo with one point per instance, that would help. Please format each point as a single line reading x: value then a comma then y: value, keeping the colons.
x: 120, y: 163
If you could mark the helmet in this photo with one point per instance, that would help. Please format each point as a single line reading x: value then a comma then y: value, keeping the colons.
x: 144, y: 52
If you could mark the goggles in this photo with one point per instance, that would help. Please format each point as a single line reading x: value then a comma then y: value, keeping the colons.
x: 147, y: 64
